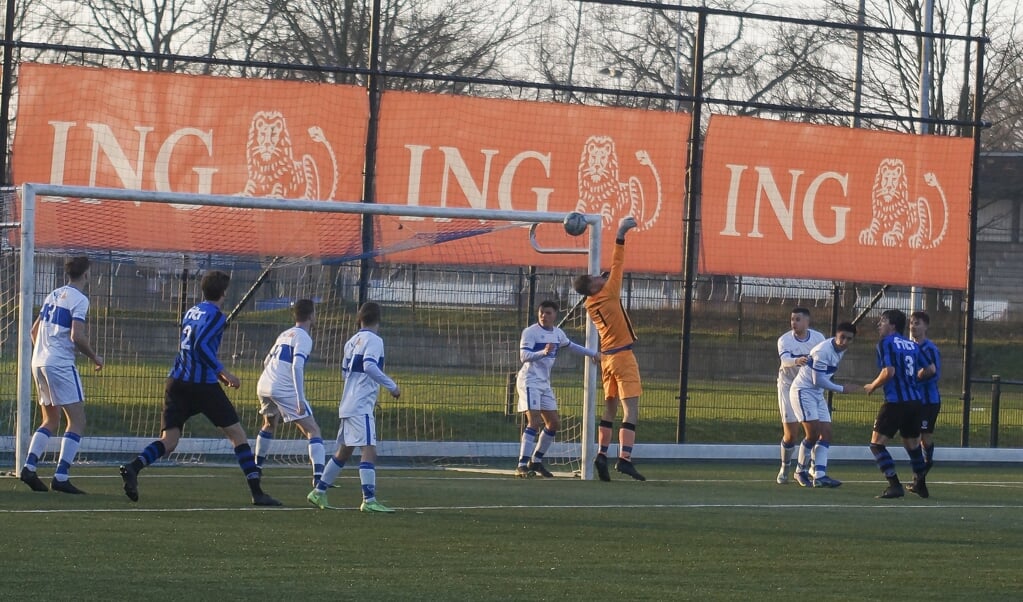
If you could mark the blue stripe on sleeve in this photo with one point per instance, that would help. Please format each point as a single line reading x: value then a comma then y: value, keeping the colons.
x: 61, y: 316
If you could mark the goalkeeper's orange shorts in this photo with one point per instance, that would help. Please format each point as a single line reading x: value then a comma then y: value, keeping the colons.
x: 620, y: 375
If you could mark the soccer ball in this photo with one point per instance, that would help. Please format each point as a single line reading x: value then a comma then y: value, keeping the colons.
x: 575, y: 223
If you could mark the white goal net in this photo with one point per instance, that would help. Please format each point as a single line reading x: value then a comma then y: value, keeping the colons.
x: 455, y: 303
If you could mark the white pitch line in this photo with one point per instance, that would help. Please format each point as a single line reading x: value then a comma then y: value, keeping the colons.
x: 150, y: 510
x: 891, y: 505
x: 878, y: 505
x: 565, y: 479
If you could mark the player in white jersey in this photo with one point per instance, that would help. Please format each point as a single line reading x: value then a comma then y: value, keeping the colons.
x: 811, y: 408
x: 58, y: 331
x: 281, y: 388
x: 793, y: 350
x: 363, y: 371
x: 538, y: 348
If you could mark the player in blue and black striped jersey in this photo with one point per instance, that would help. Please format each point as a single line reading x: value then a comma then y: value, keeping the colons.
x: 193, y: 387
x: 902, y: 367
x: 919, y: 324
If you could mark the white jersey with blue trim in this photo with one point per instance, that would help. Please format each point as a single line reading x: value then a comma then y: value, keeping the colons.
x: 53, y: 345
x: 791, y: 348
x: 278, y: 377
x: 536, y: 367
x: 360, y: 392
x: 824, y: 358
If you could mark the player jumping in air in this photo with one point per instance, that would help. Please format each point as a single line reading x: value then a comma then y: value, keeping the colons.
x: 620, y: 371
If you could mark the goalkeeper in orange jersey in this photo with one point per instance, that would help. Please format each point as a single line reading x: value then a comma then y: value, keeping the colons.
x: 619, y: 370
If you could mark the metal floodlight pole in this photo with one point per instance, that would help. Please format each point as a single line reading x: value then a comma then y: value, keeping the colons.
x: 5, y: 87
x: 971, y: 270
x: 374, y: 85
x: 676, y: 88
x: 916, y: 302
x: 861, y: 19
x: 694, y: 185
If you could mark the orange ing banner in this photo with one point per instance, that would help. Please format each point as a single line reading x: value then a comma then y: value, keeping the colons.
x: 807, y: 201
x: 190, y: 134
x: 211, y: 135
x: 447, y: 151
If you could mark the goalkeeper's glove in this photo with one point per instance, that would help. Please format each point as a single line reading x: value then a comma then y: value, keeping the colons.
x: 624, y: 225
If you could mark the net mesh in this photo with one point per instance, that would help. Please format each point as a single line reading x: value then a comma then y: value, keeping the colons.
x: 451, y: 336
x: 8, y: 319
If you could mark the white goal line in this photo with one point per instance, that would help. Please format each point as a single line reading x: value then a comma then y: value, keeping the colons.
x: 510, y: 450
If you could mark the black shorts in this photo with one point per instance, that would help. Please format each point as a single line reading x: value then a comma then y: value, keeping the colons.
x: 183, y: 400
x: 902, y: 417
x: 929, y: 417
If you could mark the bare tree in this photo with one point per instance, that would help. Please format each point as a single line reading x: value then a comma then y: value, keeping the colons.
x: 892, y: 62
x: 1003, y: 79
x: 746, y: 61
x: 150, y: 32
x: 305, y: 37
x: 453, y: 40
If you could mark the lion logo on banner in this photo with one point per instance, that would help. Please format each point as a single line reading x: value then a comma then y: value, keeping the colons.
x: 601, y: 191
x: 273, y: 170
x: 897, y: 218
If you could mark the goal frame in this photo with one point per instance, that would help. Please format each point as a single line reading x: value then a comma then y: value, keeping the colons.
x: 30, y: 192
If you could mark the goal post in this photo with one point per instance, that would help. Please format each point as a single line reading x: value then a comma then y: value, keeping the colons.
x: 466, y: 222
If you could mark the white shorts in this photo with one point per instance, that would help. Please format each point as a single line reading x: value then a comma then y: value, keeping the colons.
x: 809, y: 404
x: 536, y: 398
x: 357, y: 431
x: 58, y: 385
x: 288, y: 410
x: 784, y: 407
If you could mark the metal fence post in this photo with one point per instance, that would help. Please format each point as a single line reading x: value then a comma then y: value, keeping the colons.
x: 996, y: 394
x: 509, y: 394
